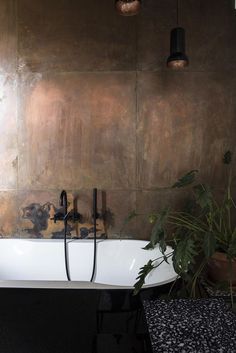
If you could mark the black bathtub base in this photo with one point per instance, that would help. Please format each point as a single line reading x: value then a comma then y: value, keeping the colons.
x: 72, y: 321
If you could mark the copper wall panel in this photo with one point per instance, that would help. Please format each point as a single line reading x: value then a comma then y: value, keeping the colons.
x: 153, y: 41
x: 210, y: 34
x: 8, y: 132
x: 74, y: 35
x: 9, y: 216
x: 119, y: 205
x: 8, y: 95
x: 37, y: 210
x: 152, y: 202
x: 186, y: 121
x: 77, y: 130
x: 86, y: 101
x: 8, y: 36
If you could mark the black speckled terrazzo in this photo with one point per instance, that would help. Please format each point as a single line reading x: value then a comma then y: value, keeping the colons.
x: 191, y: 326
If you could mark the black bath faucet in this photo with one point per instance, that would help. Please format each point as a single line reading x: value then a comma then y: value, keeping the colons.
x: 63, y: 201
x: 64, y: 215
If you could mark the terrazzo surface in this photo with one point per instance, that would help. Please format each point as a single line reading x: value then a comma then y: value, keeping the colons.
x: 191, y: 326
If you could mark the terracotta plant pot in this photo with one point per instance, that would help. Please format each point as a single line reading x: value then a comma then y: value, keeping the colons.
x: 218, y: 269
x: 128, y: 7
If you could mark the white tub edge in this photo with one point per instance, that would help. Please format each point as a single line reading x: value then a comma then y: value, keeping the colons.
x: 71, y: 285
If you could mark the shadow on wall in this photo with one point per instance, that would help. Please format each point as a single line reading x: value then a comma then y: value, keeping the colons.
x: 38, y: 221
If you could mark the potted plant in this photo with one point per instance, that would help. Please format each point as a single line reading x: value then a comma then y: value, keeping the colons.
x: 203, y: 236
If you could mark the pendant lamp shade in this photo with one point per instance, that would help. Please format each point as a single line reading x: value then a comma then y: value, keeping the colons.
x: 128, y: 7
x: 177, y: 59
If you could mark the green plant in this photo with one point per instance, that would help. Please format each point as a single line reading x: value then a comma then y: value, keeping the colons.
x: 195, y: 233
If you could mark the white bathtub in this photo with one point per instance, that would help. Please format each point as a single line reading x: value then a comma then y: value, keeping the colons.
x: 27, y: 263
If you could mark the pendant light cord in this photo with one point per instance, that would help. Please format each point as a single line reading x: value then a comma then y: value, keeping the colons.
x: 177, y: 12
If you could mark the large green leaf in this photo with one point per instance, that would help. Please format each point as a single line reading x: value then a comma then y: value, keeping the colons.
x: 132, y: 215
x: 204, y: 197
x: 157, y: 236
x: 144, y: 271
x: 227, y: 157
x: 162, y: 243
x: 149, y: 246
x: 152, y: 218
x: 184, y: 255
x: 228, y: 203
x: 187, y: 179
x: 209, y: 244
x: 158, y: 231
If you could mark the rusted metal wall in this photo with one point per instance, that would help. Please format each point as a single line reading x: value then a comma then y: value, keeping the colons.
x: 86, y: 101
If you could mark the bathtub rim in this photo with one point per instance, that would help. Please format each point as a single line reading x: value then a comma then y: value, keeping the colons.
x: 74, y: 285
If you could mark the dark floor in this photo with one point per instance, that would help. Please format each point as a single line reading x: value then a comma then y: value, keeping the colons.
x: 71, y: 321
x: 204, y: 325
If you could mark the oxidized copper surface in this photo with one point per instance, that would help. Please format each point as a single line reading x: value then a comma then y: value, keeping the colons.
x: 210, y: 34
x: 37, y: 209
x: 77, y: 130
x: 8, y: 36
x: 75, y: 114
x: 8, y: 132
x: 9, y: 216
x: 84, y: 35
x: 185, y: 122
x: 154, y: 24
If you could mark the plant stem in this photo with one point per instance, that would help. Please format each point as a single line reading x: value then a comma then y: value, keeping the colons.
x: 196, y: 275
x: 228, y: 199
x: 230, y: 282
x: 173, y: 284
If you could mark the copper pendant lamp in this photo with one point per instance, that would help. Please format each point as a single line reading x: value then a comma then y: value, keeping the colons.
x: 178, y: 58
x: 128, y: 7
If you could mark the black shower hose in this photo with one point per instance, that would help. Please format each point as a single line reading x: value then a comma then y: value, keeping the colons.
x: 95, y: 239
x: 65, y: 251
x: 94, y: 253
x: 95, y: 232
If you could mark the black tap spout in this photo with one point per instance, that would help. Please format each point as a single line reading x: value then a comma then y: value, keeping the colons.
x: 95, y: 212
x: 63, y: 201
x: 63, y: 214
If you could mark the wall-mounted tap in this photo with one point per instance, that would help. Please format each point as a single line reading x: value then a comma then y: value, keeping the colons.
x: 64, y: 202
x: 64, y: 214
x: 95, y: 214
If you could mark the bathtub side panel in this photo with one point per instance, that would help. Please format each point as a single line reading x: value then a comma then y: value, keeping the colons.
x: 80, y: 259
x: 35, y: 260
x: 119, y: 262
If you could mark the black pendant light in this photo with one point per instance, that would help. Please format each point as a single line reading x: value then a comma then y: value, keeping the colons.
x: 128, y: 7
x: 177, y: 59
